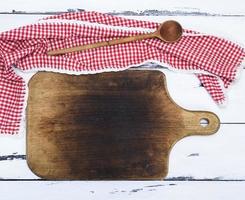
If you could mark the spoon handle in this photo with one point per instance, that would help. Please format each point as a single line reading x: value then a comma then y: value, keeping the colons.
x: 102, y: 44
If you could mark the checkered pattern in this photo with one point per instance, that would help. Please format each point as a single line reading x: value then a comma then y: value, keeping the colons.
x: 216, y: 60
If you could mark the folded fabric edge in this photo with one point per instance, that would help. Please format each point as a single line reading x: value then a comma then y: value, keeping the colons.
x: 238, y: 71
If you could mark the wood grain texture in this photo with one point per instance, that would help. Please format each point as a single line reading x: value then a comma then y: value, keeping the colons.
x: 106, y: 126
x: 220, y: 155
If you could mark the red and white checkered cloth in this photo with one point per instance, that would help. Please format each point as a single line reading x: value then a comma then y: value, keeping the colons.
x: 216, y: 60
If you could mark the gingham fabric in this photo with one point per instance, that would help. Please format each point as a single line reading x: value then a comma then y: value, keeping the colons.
x: 215, y: 60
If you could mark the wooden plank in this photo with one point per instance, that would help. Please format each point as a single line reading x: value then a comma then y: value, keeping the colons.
x: 186, y: 91
x: 214, y: 157
x: 200, y: 23
x: 219, y: 156
x: 104, y: 190
x: 229, y: 136
x: 179, y: 83
x: 219, y: 6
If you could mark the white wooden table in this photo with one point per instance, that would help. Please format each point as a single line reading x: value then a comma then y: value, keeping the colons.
x: 210, y: 167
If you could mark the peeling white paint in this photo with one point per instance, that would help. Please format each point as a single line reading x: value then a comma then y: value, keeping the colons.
x: 214, y: 158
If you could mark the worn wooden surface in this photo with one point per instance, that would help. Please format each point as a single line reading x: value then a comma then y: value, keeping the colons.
x: 118, y: 125
x: 210, y: 167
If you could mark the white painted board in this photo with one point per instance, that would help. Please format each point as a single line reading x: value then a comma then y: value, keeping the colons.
x: 216, y: 157
x: 117, y: 190
x: 185, y: 88
x: 210, y: 6
x: 219, y: 156
x: 190, y: 158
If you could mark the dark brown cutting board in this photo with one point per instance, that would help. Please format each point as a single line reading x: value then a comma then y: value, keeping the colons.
x: 118, y: 125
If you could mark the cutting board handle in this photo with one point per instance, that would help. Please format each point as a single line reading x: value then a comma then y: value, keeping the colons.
x: 200, y: 123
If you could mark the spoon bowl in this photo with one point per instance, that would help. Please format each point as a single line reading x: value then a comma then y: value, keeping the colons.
x: 169, y: 31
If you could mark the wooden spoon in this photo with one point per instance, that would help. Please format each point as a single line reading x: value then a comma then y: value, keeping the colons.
x: 169, y: 31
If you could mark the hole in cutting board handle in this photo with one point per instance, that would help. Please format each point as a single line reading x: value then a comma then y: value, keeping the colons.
x: 204, y: 122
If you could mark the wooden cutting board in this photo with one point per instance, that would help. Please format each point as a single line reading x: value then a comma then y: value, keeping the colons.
x: 106, y: 126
